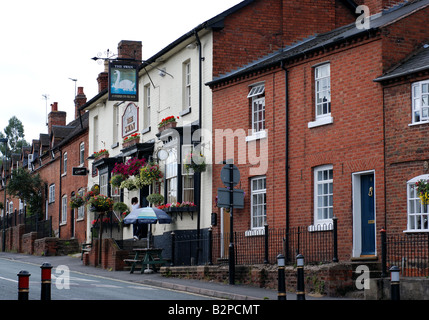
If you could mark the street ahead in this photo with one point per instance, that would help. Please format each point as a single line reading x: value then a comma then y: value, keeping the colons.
x: 70, y: 285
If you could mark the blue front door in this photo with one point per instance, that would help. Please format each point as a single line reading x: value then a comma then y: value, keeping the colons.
x: 367, y: 214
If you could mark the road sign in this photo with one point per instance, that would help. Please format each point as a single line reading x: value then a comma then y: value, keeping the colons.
x: 225, y: 175
x: 223, y: 198
x: 79, y: 171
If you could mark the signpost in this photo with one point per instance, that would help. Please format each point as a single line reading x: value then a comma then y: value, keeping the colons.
x: 230, y: 198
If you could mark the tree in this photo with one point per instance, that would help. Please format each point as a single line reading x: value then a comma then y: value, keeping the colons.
x: 14, y: 132
x: 28, y: 187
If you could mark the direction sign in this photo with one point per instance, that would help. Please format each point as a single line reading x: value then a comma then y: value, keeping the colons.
x: 79, y: 171
x: 223, y: 198
x: 225, y: 175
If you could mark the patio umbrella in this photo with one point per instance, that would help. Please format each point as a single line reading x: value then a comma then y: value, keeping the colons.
x: 147, y: 215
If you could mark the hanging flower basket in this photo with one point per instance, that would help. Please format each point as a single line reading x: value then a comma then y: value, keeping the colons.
x: 423, y: 191
x: 76, y: 202
x: 196, y: 162
x: 150, y: 173
x: 100, y: 203
x: 117, y: 179
x: 131, y: 140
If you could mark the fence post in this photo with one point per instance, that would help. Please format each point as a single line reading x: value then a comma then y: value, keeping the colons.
x: 23, y: 284
x: 383, y: 253
x: 266, y: 244
x: 173, y: 245
x: 335, y: 235
x: 210, y: 253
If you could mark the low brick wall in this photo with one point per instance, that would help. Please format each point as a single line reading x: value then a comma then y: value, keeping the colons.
x: 112, y: 257
x: 331, y: 279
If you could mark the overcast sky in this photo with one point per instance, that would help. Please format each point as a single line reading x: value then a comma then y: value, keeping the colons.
x: 44, y: 43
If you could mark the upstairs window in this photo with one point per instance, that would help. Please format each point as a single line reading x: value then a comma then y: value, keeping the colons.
x: 322, y: 78
x: 257, y: 96
x: 420, y: 96
x: 187, y: 84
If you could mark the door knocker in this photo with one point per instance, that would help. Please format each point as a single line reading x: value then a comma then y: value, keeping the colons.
x: 370, y: 192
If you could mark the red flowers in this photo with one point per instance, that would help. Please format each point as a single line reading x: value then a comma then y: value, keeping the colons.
x: 167, y: 120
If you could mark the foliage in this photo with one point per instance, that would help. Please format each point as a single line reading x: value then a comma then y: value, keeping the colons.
x: 155, y: 198
x: 150, y: 173
x: 76, y: 202
x: 117, y: 179
x: 120, y: 207
x: 14, y: 132
x: 167, y: 120
x: 100, y: 203
x: 29, y: 188
x: 134, y: 136
x: 423, y: 191
x: 130, y: 168
x: 195, y: 161
x: 100, y: 152
x: 1, y: 205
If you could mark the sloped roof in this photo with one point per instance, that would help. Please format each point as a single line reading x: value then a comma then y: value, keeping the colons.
x: 318, y: 41
x: 418, y: 61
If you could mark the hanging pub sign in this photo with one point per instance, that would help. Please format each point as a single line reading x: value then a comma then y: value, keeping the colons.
x: 123, y: 81
x: 130, y: 120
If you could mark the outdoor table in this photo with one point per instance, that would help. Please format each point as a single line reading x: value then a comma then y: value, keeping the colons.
x: 152, y: 256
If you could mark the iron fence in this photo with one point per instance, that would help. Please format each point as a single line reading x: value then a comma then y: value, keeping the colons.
x: 409, y: 252
x: 262, y: 247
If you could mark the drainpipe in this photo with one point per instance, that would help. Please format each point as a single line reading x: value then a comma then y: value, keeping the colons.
x: 287, y: 159
x: 200, y: 123
x: 59, y: 194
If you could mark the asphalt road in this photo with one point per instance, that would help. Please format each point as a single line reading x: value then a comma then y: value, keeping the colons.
x: 70, y: 285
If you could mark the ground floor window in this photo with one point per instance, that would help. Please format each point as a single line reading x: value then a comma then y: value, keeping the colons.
x: 417, y: 212
x: 258, y: 202
x: 323, y: 194
x: 64, y: 209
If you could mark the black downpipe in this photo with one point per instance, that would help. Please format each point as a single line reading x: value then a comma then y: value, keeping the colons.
x: 60, y: 205
x: 200, y: 123
x: 287, y: 254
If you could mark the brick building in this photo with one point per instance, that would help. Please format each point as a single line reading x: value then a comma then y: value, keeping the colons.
x: 320, y: 130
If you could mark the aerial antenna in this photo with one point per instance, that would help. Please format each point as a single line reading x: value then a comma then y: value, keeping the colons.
x: 75, y: 80
x: 46, y: 96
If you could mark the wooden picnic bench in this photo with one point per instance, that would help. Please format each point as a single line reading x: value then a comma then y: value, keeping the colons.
x: 151, y: 256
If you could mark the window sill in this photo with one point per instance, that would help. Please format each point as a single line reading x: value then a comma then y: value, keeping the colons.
x: 321, y: 122
x: 418, y: 123
x: 146, y: 130
x: 416, y: 231
x: 326, y: 226
x: 254, y: 232
x: 185, y: 112
x: 256, y: 136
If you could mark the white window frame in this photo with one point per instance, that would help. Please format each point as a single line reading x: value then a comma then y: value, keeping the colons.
x: 146, y: 106
x: 258, y: 203
x: 65, y: 163
x: 322, y: 74
x: 171, y: 175
x: 323, y: 198
x: 187, y: 175
x: 52, y: 193
x: 104, y: 183
x: 257, y: 96
x: 187, y: 102
x: 417, y: 213
x: 64, y: 209
x: 82, y: 153
x: 420, y: 102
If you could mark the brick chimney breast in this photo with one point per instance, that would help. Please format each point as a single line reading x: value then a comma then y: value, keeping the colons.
x: 55, y: 117
x: 103, y: 77
x: 79, y: 101
x: 128, y: 49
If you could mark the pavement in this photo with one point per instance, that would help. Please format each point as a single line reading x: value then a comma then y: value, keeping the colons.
x: 202, y: 287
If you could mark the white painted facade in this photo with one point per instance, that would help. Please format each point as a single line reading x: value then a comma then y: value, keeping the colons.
x: 167, y: 98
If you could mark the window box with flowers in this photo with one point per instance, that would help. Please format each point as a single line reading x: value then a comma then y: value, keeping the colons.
x: 423, y: 191
x: 195, y: 162
x: 168, y: 122
x: 103, y: 153
x: 131, y: 140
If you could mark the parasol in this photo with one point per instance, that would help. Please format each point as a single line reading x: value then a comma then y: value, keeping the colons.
x: 147, y: 215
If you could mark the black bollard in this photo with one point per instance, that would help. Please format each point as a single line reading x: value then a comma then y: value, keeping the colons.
x: 46, y: 281
x: 23, y: 284
x: 300, y: 291
x: 281, y: 277
x: 394, y: 283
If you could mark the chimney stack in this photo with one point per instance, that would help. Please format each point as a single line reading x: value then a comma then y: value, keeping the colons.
x: 79, y: 101
x: 128, y: 49
x: 103, y: 77
x: 55, y: 117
